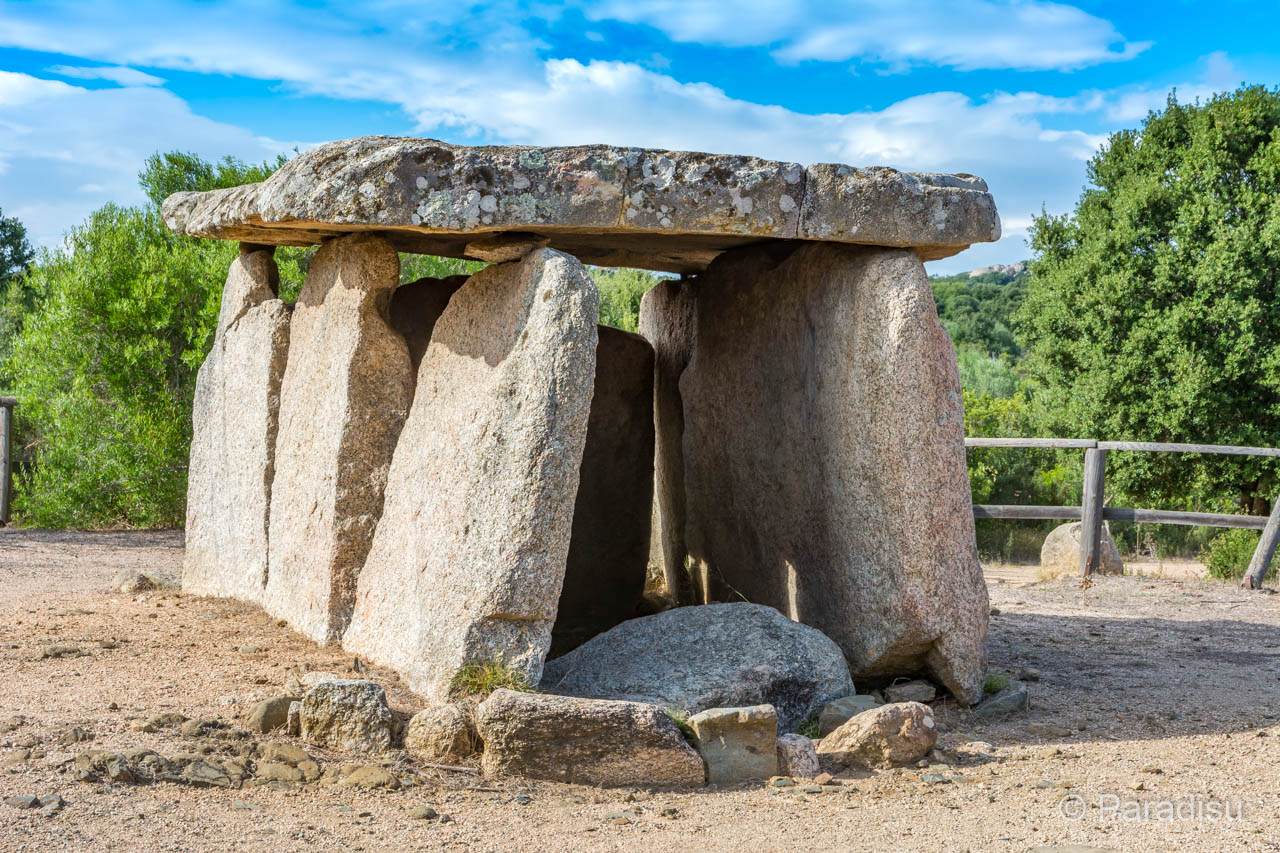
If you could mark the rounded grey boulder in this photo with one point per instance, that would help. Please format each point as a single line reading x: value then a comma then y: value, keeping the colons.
x: 709, y: 656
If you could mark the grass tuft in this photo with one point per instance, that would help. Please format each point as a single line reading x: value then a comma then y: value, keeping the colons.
x: 477, y: 679
x: 995, y: 683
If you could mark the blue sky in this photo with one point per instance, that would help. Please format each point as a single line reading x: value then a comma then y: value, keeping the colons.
x: 1021, y: 93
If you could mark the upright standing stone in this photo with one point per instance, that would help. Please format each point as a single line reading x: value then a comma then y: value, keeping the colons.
x: 609, y: 549
x: 824, y: 456
x: 234, y: 417
x: 415, y: 308
x: 346, y: 391
x: 469, y: 556
x: 667, y: 321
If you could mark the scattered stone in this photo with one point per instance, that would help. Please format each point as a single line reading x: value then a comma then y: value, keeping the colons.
x: 797, y: 756
x: 781, y: 782
x: 200, y: 728
x: 889, y: 735
x: 346, y: 391
x: 442, y: 733
x: 370, y: 776
x: 1014, y: 697
x: 935, y: 779
x: 62, y: 652
x: 293, y: 721
x: 271, y: 714
x: 24, y: 801
x: 14, y: 757
x: 243, y: 806
x: 838, y: 711
x: 826, y: 779
x: 812, y: 789
x: 802, y: 498
x: 118, y: 770
x: 347, y: 714
x: 522, y: 799
x: 738, y: 744
x: 205, y: 774
x: 283, y: 753
x: 51, y: 804
x: 132, y: 581
x: 1049, y: 730
x: 670, y: 811
x: 12, y: 723
x: 1060, y: 553
x: 75, y: 734
x: 621, y: 818
x: 911, y: 691
x: 587, y: 741
x: 422, y: 813
x: 507, y: 378
x: 713, y: 655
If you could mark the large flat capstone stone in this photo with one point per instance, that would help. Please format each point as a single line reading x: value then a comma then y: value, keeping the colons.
x: 346, y: 391
x: 469, y: 557
x: 824, y: 466
x: 635, y: 207
x: 234, y: 418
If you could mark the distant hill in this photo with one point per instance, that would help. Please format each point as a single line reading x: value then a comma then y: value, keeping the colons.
x: 977, y: 307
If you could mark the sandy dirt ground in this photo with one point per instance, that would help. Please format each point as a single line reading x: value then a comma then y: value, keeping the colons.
x: 1154, y: 713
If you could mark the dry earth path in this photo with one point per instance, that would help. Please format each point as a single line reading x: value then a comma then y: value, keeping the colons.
x: 1150, y: 691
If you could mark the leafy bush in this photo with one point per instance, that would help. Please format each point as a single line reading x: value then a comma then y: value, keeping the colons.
x: 620, y: 293
x: 1228, y: 554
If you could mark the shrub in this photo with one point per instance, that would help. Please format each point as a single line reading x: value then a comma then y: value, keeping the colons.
x: 1228, y: 554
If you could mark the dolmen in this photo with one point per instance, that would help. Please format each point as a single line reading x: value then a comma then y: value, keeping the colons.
x: 473, y: 470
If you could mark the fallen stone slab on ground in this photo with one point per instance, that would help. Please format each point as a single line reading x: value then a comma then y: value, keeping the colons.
x: 882, y: 737
x: 708, y: 656
x: 738, y: 744
x: 587, y: 741
x: 349, y: 714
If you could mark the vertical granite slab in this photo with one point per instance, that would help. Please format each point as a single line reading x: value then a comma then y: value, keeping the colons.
x: 667, y: 321
x: 346, y: 391
x: 234, y: 418
x: 609, y: 548
x: 469, y: 557
x: 415, y: 308
x: 824, y: 456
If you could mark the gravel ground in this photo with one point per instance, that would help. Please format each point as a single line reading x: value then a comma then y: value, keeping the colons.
x: 1150, y: 691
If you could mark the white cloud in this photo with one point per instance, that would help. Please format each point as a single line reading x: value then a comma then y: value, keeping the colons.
x: 963, y: 34
x: 114, y: 73
x: 68, y: 148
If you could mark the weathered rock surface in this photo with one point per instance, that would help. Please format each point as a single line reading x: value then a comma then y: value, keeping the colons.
x: 348, y: 714
x: 415, y: 308
x: 667, y: 321
x: 234, y: 418
x: 442, y: 733
x: 1060, y: 553
x: 883, y: 737
x: 142, y: 580
x: 1014, y: 696
x: 271, y: 714
x: 667, y: 210
x: 797, y: 757
x: 709, y: 656
x: 839, y: 711
x: 609, y: 548
x: 824, y: 457
x: 916, y: 690
x: 592, y: 742
x: 738, y: 744
x: 470, y: 569
x: 345, y: 394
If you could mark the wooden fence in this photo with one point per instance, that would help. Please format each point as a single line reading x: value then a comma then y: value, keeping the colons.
x: 1092, y: 513
x: 6, y: 454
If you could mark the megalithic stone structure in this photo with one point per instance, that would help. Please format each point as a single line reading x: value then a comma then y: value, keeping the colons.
x: 234, y: 415
x: 469, y: 557
x: 808, y: 428
x: 345, y: 395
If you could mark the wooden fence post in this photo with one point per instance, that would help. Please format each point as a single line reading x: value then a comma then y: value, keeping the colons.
x: 6, y: 454
x: 1095, y: 475
x: 1265, y: 551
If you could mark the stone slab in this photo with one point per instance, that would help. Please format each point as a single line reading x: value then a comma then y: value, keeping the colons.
x: 415, y: 308
x: 609, y: 548
x: 738, y: 744
x: 469, y: 556
x: 610, y: 206
x: 234, y: 416
x: 824, y: 463
x: 345, y: 394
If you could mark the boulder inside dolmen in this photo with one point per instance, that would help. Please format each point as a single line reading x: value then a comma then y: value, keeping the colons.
x: 471, y: 470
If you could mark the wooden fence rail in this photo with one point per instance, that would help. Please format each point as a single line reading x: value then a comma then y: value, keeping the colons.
x: 6, y: 454
x: 1092, y: 513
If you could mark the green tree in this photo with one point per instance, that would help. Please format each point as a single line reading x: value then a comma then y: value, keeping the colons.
x: 1153, y: 312
x: 16, y: 297
x: 178, y: 171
